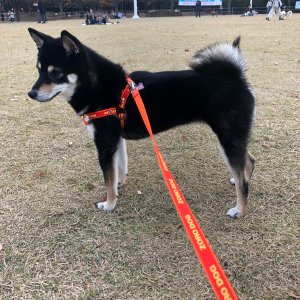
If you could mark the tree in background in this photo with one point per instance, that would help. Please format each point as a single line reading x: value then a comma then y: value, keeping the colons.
x: 118, y: 5
x: 61, y: 5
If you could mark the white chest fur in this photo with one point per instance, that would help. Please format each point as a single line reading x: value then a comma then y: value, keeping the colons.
x: 91, y: 129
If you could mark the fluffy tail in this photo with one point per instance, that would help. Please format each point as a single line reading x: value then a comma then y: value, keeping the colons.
x: 220, y: 53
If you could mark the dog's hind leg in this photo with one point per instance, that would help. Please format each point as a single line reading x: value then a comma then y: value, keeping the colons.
x: 235, y: 162
x: 122, y: 162
x: 250, y: 161
x: 235, y: 158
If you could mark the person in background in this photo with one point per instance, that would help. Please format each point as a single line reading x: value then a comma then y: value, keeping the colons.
x: 2, y: 12
x: 198, y: 9
x: 90, y: 18
x: 250, y: 10
x: 269, y: 6
x: 11, y: 15
x: 42, y: 12
x: 104, y: 20
x: 276, y: 4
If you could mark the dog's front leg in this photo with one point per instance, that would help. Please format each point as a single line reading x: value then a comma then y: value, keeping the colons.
x: 109, y: 165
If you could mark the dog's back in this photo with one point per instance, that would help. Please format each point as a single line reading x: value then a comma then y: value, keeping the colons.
x: 212, y: 89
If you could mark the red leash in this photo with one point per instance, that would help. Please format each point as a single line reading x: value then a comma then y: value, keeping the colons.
x: 213, y: 270
x: 211, y: 265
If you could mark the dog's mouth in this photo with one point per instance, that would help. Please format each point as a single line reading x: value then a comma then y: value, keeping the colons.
x: 33, y: 94
x: 47, y: 100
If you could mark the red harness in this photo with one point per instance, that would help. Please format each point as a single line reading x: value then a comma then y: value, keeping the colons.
x: 113, y: 111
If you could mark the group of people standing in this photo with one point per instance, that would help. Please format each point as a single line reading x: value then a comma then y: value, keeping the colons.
x: 274, y: 7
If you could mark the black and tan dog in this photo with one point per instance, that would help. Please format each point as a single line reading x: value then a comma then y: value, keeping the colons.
x: 214, y: 90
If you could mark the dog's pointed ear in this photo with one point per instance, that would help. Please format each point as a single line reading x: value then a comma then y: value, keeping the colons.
x: 38, y: 37
x: 70, y: 42
x: 236, y: 42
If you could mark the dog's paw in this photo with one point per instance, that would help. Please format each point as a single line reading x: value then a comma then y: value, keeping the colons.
x: 234, y: 213
x: 106, y: 206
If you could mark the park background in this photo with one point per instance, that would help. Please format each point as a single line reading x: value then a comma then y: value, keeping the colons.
x: 26, y: 9
x: 55, y: 245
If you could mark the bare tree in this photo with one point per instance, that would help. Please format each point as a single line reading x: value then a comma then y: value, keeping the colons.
x: 61, y: 6
x: 172, y: 4
x: 116, y: 4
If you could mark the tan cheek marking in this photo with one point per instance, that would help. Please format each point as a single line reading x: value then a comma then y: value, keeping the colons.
x: 46, y: 87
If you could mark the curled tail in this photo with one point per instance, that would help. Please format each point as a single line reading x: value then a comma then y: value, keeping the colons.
x: 220, y: 53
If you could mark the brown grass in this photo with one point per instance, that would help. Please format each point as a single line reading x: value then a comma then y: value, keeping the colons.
x: 56, y: 246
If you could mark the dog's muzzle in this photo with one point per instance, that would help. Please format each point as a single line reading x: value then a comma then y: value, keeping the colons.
x: 33, y: 94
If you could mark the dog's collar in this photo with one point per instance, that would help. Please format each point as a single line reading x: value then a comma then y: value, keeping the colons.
x: 115, y: 111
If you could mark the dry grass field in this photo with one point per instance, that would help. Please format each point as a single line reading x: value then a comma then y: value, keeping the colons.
x: 55, y: 245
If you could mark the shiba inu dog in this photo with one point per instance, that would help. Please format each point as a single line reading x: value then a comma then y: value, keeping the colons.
x: 214, y: 90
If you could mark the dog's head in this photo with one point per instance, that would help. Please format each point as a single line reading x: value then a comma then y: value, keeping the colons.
x: 58, y: 65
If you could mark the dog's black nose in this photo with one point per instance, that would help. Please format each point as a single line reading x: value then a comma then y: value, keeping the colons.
x: 32, y: 94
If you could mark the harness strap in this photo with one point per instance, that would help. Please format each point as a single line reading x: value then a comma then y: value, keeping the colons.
x: 124, y: 96
x: 99, y: 114
x: 119, y: 111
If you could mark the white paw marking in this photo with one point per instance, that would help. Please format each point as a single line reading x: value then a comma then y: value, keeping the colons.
x: 234, y: 213
x: 232, y: 181
x: 106, y: 206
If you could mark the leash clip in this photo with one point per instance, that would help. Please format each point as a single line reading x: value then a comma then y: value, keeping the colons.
x: 134, y: 86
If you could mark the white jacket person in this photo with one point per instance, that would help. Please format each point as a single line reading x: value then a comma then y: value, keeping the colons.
x: 275, y: 9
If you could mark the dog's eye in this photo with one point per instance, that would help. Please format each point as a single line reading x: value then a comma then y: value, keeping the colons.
x: 56, y: 74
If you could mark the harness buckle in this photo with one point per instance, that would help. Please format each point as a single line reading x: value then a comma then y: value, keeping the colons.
x: 86, y: 119
x: 121, y: 112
